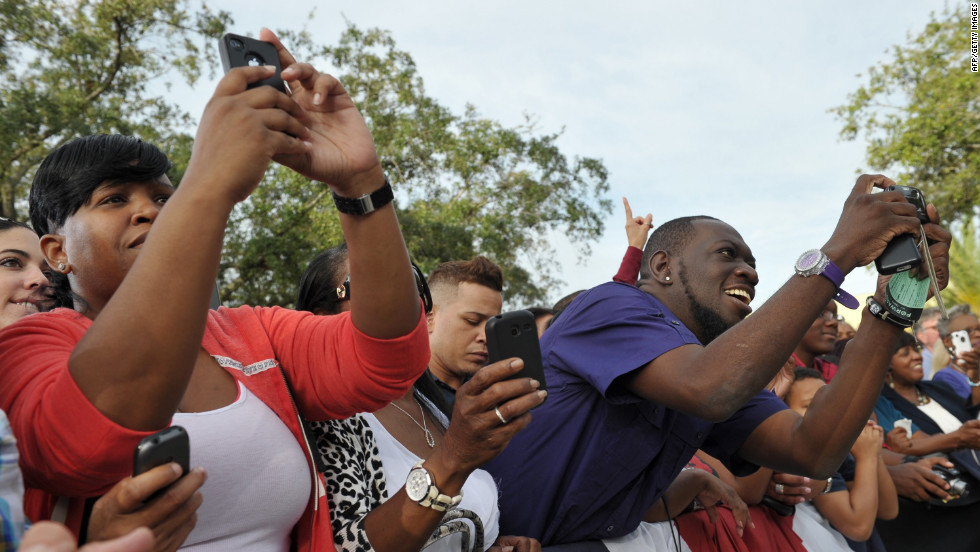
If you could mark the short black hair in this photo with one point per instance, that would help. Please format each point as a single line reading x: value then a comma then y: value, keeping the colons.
x: 320, y: 280
x: 802, y: 373
x: 539, y: 312
x: 67, y: 177
x: 672, y: 237
x: 905, y: 339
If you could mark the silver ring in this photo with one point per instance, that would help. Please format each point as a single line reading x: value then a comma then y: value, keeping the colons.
x: 779, y: 488
x: 499, y: 415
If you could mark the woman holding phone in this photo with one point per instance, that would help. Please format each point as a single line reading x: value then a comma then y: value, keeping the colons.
x: 25, y: 290
x: 141, y: 350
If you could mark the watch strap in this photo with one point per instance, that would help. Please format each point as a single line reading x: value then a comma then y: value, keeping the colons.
x: 440, y: 502
x: 833, y: 273
x: 367, y: 203
x: 828, y: 269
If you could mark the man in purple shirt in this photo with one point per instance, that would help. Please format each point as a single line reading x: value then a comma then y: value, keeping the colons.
x: 641, y: 377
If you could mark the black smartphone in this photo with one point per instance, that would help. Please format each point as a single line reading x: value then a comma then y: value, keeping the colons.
x: 242, y: 51
x: 902, y: 253
x: 514, y: 334
x: 167, y: 445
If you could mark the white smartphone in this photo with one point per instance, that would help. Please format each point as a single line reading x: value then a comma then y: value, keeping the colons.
x: 961, y: 341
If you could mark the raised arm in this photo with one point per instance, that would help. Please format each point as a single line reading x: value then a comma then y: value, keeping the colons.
x: 815, y: 444
x: 136, y: 360
x: 712, y: 382
x: 343, y: 156
x: 637, y: 229
x: 853, y: 511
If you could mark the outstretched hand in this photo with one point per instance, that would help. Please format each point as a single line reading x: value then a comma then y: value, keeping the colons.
x: 939, y: 240
x: 637, y: 228
x: 341, y: 145
x: 476, y: 433
x: 869, y: 222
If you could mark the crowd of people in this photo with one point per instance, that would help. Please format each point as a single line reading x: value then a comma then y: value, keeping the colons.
x: 369, y: 418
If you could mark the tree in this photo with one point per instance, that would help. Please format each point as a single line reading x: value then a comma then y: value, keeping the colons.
x: 465, y: 185
x: 920, y: 112
x: 964, y: 260
x: 75, y: 67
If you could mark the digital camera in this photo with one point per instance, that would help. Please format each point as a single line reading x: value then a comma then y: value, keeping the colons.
x: 902, y: 253
x: 959, y: 488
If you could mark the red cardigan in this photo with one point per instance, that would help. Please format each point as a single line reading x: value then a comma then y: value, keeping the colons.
x: 69, y: 449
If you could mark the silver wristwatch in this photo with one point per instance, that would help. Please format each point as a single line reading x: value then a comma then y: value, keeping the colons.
x: 421, y: 488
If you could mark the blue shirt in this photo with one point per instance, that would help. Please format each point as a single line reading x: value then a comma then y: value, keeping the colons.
x: 955, y: 379
x: 595, y: 457
x: 12, y: 520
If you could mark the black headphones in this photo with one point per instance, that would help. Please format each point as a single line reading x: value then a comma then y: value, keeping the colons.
x: 423, y: 288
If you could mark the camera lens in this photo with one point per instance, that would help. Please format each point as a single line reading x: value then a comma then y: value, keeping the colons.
x: 236, y: 44
x: 253, y: 59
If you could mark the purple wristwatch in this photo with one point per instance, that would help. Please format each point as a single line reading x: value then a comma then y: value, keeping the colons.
x: 814, y: 262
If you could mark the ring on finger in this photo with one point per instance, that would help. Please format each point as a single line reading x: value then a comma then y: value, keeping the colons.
x: 779, y: 488
x: 499, y: 415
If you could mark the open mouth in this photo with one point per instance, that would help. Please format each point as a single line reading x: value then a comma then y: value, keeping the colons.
x: 739, y: 294
x: 29, y: 307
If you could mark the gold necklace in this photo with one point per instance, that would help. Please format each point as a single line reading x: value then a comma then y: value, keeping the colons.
x: 429, y: 439
x: 921, y: 398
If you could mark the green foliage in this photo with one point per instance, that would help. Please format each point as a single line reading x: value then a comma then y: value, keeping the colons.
x: 465, y: 185
x: 964, y: 267
x: 919, y: 112
x: 75, y: 67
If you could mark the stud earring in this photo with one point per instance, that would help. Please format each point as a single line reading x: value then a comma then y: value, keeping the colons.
x: 61, y: 267
x: 667, y: 278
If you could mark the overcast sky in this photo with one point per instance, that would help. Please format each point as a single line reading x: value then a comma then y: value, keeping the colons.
x: 716, y: 108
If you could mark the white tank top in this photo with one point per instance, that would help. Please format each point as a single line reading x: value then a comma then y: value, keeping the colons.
x: 479, y: 491
x: 258, y: 482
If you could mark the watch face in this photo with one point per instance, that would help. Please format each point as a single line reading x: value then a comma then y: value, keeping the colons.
x: 808, y: 260
x: 417, y: 485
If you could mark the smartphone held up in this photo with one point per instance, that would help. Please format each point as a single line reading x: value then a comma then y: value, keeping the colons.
x: 515, y: 334
x: 242, y: 51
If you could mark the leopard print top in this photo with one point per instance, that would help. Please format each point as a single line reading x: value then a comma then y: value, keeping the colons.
x: 356, y: 485
x: 354, y: 475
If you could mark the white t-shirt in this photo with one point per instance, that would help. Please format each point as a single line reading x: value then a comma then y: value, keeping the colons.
x: 258, y: 483
x: 946, y: 421
x: 479, y: 491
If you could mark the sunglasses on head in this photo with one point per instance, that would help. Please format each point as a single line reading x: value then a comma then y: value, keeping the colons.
x: 342, y: 293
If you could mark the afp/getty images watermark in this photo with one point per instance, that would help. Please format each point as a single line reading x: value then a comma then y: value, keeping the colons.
x: 974, y: 38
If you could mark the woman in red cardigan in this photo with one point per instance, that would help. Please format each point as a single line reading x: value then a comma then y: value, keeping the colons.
x: 141, y: 350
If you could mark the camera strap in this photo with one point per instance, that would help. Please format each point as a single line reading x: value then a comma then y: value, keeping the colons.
x: 905, y: 294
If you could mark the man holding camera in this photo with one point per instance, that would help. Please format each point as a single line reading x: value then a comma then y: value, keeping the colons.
x: 641, y: 377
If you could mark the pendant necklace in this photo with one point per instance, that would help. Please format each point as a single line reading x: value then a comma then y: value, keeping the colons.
x: 429, y: 439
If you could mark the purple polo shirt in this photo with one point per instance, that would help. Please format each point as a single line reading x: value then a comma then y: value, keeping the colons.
x: 595, y: 457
